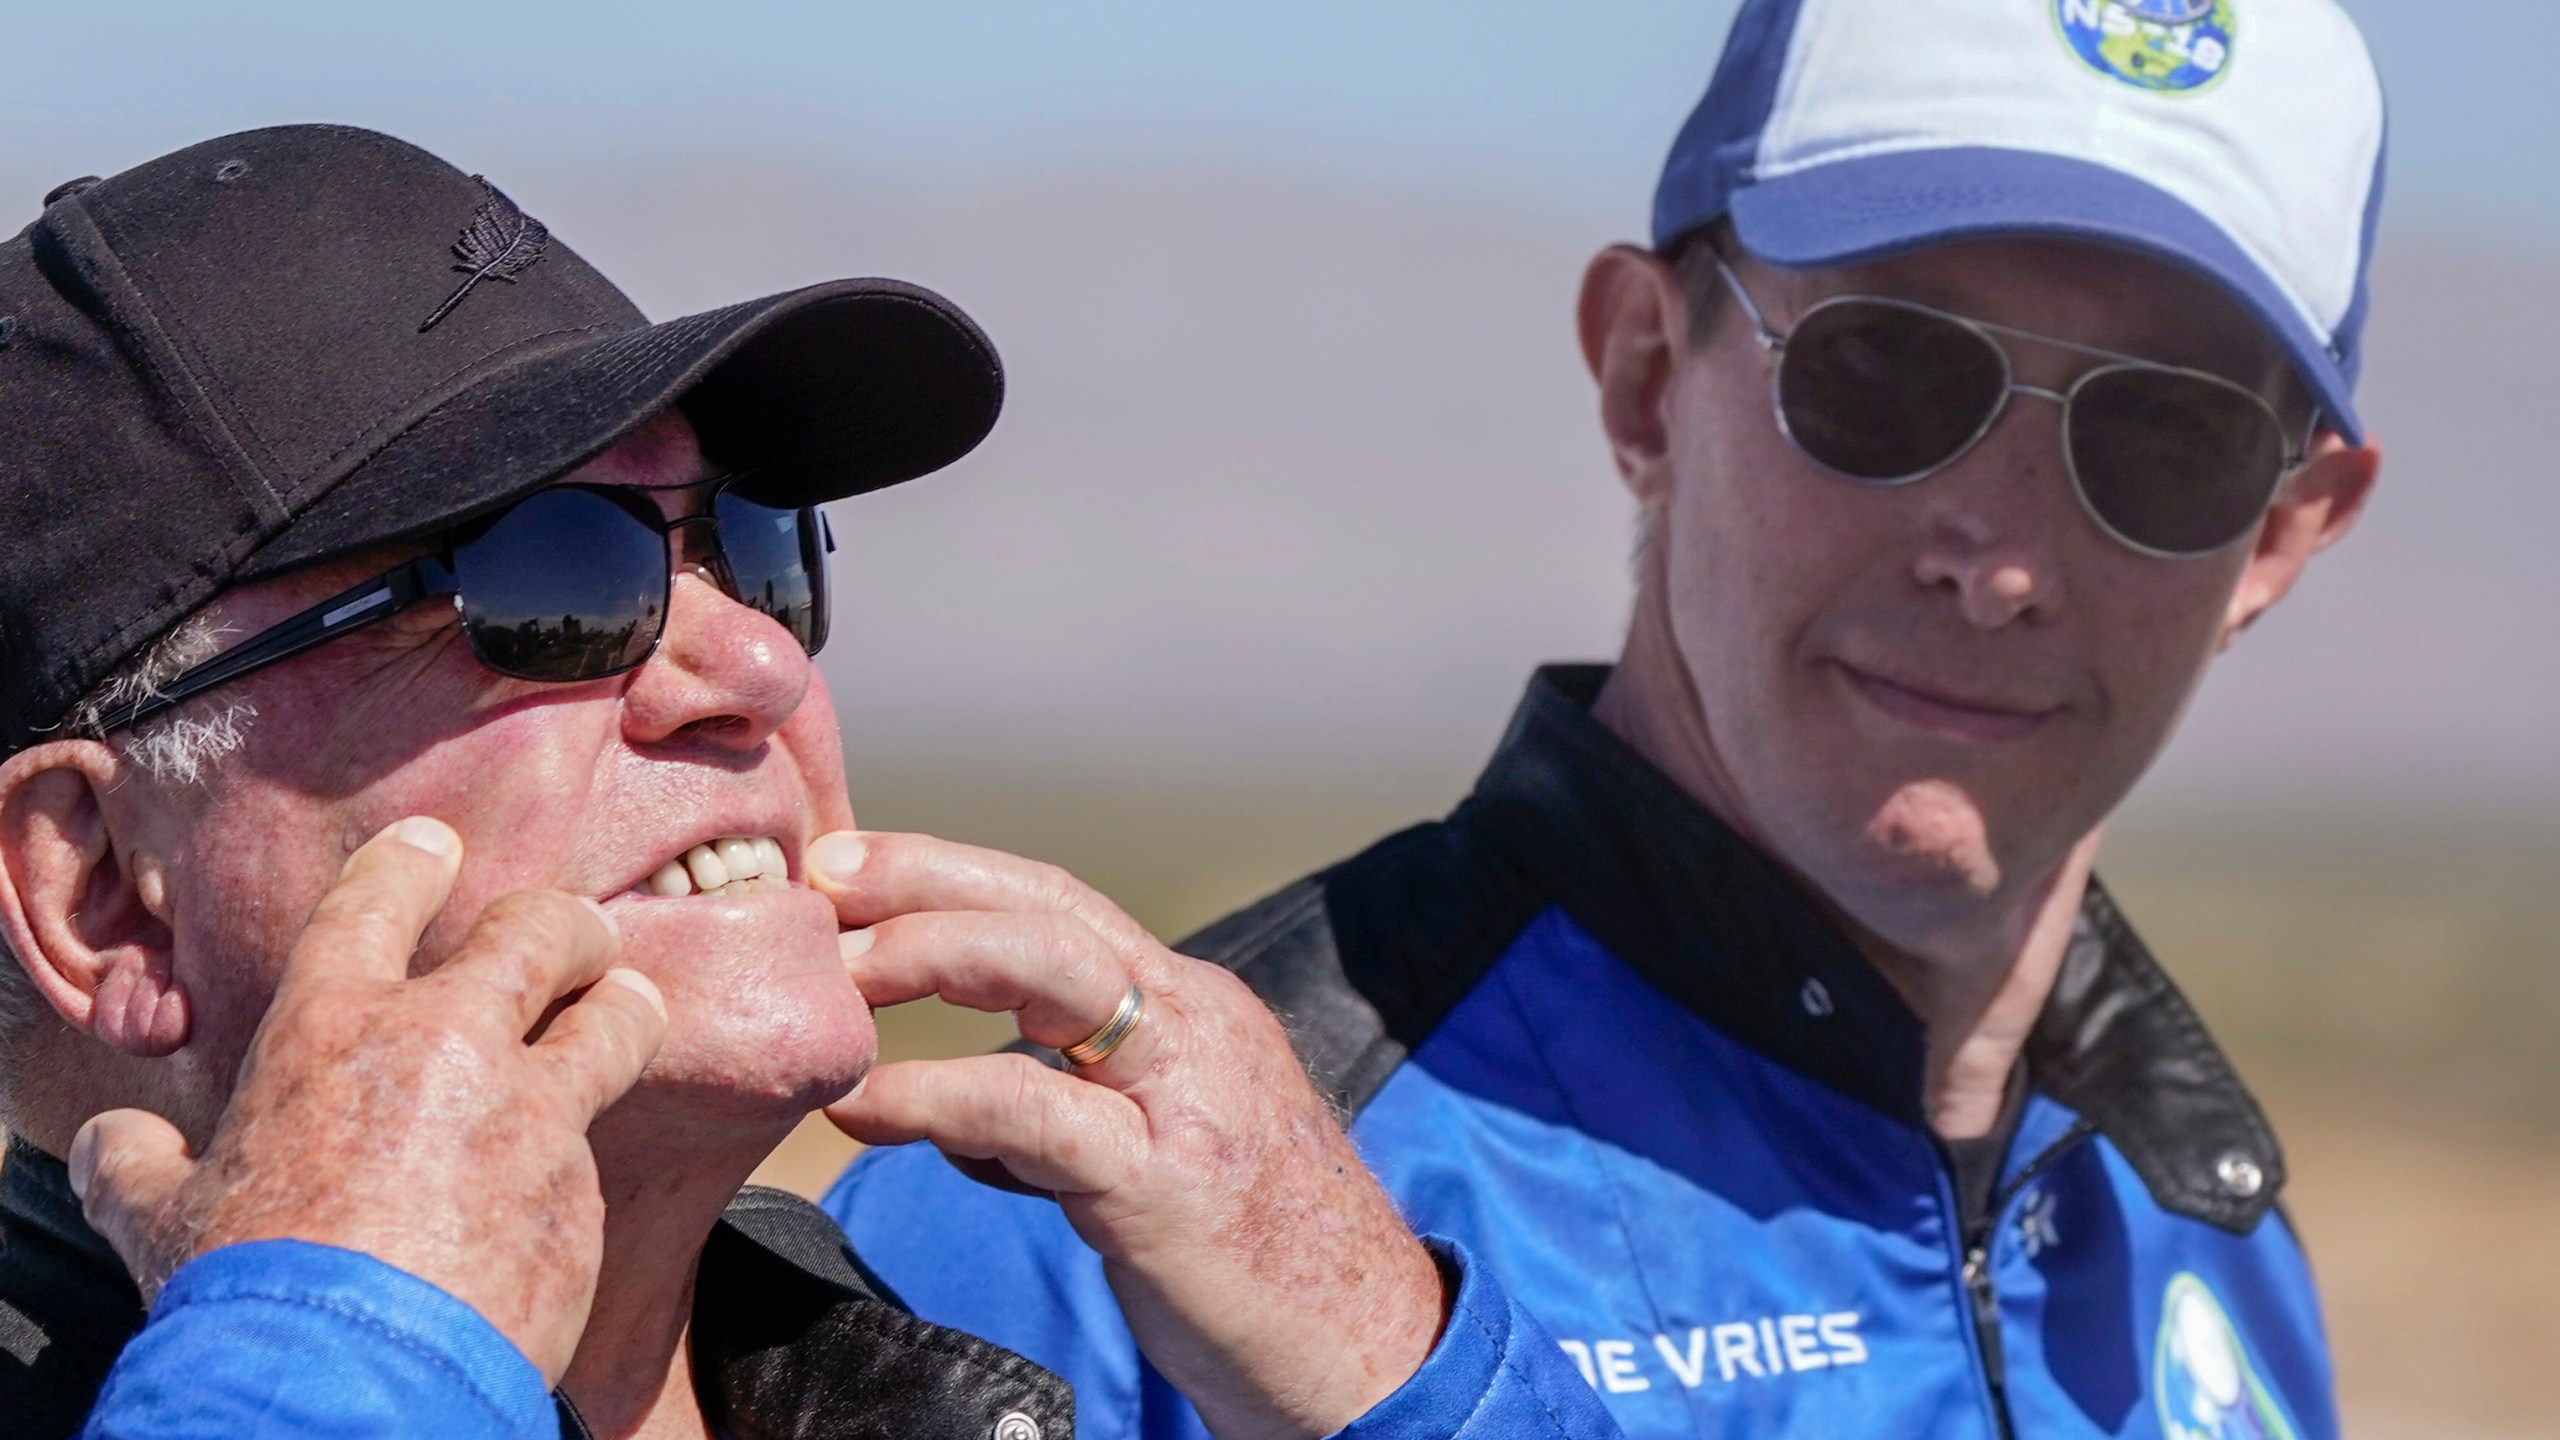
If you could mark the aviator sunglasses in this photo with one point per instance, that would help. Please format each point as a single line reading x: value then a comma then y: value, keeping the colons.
x: 2170, y: 462
x: 569, y: 583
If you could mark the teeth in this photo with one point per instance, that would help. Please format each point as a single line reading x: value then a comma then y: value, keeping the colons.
x: 732, y: 865
x: 708, y: 870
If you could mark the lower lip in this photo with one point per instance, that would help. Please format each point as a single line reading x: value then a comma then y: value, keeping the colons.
x: 1961, y: 722
x: 638, y: 895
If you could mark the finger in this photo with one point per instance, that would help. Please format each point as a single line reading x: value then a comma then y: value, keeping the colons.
x: 1058, y: 976
x: 994, y: 1176
x: 1050, y: 1130
x: 873, y: 875
x: 594, y: 1052
x: 530, y: 948
x: 127, y: 1167
x: 369, y: 923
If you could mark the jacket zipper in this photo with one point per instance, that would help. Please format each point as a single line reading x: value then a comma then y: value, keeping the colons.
x: 1977, y: 1273
x: 1986, y: 1327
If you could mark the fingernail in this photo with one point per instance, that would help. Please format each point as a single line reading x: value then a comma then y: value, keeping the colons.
x: 642, y: 985
x: 852, y: 943
x: 429, y: 834
x: 83, y: 1160
x: 610, y: 928
x: 837, y: 858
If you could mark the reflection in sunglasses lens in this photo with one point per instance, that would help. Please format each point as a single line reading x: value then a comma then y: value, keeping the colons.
x: 565, y: 586
x: 773, y: 560
x: 1881, y: 393
x: 2174, y: 463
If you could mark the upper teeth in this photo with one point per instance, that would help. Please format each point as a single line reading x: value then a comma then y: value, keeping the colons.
x: 734, y: 864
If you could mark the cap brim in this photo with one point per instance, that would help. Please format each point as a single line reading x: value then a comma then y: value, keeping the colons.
x: 1849, y: 211
x: 824, y: 392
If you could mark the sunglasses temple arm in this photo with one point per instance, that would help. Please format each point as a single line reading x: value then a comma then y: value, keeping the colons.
x: 1769, y: 339
x: 347, y: 610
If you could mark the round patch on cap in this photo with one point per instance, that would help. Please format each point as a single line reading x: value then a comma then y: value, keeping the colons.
x: 2162, y: 45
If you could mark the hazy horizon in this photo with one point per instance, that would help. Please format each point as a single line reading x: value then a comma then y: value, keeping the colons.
x: 1299, y: 478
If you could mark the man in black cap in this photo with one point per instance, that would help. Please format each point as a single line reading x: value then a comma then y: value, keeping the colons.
x: 425, y: 857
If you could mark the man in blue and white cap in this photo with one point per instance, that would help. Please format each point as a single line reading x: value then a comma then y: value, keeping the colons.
x: 1758, y: 1021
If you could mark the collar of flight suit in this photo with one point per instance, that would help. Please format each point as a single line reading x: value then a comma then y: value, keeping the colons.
x: 1366, y: 958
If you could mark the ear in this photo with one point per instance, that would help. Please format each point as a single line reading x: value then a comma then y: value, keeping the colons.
x: 86, y: 919
x: 1633, y: 318
x: 2315, y: 509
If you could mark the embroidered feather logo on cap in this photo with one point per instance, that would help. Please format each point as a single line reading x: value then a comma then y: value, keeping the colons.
x: 501, y: 243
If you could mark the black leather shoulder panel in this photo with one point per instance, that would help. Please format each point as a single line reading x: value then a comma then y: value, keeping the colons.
x: 1362, y: 961
x: 799, y: 1340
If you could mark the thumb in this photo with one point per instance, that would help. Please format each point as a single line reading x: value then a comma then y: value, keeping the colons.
x: 127, y: 1167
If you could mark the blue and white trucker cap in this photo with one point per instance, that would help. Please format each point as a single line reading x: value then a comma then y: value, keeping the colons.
x: 2242, y: 138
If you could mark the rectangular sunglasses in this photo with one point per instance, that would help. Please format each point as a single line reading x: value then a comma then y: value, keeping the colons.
x: 569, y: 583
x: 2170, y: 462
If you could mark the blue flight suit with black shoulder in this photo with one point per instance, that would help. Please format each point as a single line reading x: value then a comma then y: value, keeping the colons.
x: 1595, y: 1039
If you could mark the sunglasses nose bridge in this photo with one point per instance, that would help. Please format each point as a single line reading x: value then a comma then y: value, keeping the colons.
x: 693, y: 545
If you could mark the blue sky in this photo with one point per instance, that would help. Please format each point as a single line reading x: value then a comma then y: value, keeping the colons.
x: 1570, y: 101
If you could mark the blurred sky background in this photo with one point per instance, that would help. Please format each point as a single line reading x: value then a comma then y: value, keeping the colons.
x: 1299, y: 477
x: 1299, y: 470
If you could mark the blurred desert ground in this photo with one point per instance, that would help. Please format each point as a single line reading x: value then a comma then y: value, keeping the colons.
x: 1298, y: 480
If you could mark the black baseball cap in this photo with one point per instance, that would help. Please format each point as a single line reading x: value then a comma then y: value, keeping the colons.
x: 292, y: 344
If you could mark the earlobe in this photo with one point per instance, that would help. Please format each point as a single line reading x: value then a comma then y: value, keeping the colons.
x: 85, y: 918
x: 140, y: 1008
x: 1633, y: 324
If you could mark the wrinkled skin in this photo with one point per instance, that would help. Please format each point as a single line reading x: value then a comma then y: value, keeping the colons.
x: 1195, y: 1157
x: 160, y: 922
x: 480, y: 1134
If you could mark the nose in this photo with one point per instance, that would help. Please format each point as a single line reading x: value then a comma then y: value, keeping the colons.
x: 1996, y: 519
x: 723, y: 675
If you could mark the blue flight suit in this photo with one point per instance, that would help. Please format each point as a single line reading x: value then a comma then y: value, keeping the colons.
x: 1603, y: 1044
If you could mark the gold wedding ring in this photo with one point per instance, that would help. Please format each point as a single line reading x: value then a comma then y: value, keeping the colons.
x: 1097, y: 1047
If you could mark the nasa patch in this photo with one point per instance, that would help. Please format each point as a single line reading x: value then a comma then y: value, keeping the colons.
x: 2170, y: 46
x: 2201, y: 1378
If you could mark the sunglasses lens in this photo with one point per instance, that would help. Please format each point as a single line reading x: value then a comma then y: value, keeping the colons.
x: 2174, y: 463
x: 565, y: 586
x: 1881, y: 393
x: 776, y: 562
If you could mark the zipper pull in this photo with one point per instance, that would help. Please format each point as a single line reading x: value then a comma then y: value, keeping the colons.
x: 1986, y: 1313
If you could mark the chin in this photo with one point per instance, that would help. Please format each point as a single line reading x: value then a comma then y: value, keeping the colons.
x: 762, y: 1022
x: 1930, y: 833
x: 1909, y: 863
x: 777, y: 1062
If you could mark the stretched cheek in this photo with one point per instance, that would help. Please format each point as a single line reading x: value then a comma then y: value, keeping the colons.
x: 230, y: 942
x: 818, y: 754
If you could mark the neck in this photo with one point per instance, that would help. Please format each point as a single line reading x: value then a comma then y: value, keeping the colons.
x: 1979, y: 989
x: 1976, y: 985
x: 633, y: 1373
